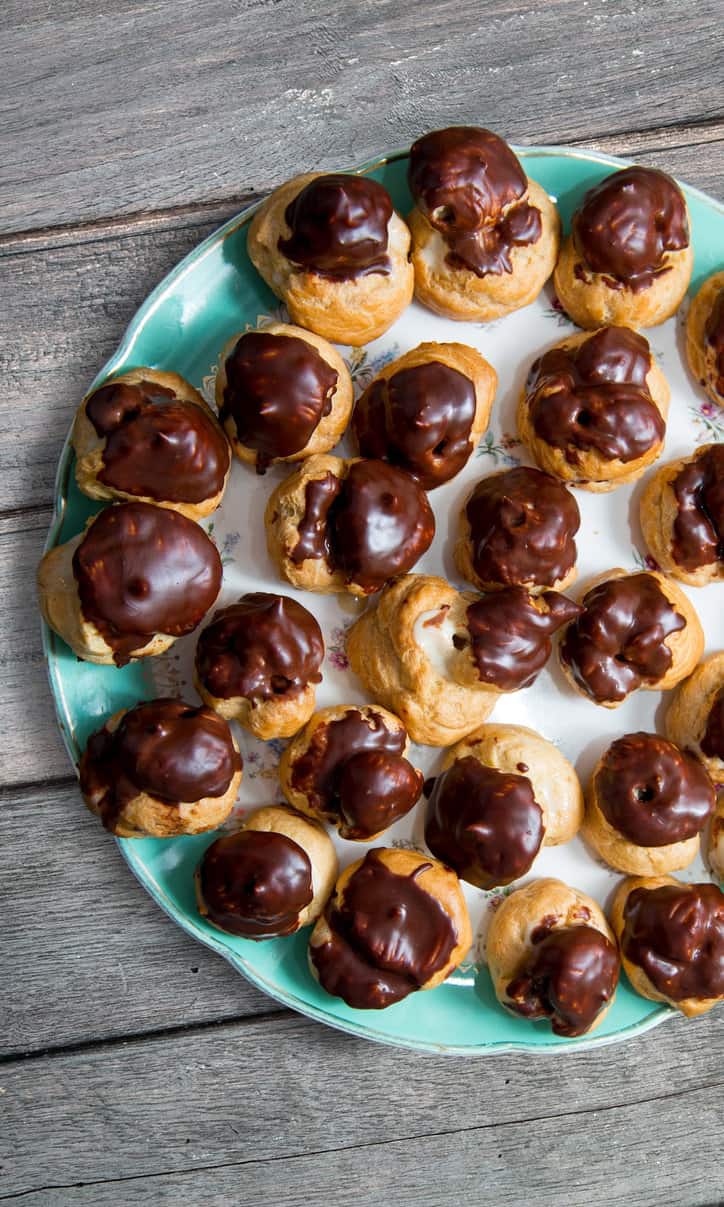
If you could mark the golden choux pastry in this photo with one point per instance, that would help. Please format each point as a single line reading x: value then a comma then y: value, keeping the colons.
x: 160, y: 769
x: 502, y: 793
x: 150, y: 436
x: 714, y: 839
x: 628, y: 259
x: 427, y: 410
x: 348, y: 766
x: 334, y: 250
x: 396, y: 922
x: 282, y: 394
x: 682, y: 516
x: 635, y: 631
x: 646, y: 805
x: 593, y: 412
x: 258, y: 661
x: 671, y: 937
x: 551, y: 954
x: 517, y: 528
x: 268, y: 878
x: 484, y: 237
x: 347, y: 525
x: 705, y: 337
x: 695, y: 718
x: 138, y: 577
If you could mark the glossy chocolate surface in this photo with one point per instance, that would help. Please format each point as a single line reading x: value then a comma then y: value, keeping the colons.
x: 569, y: 977
x: 338, y: 227
x: 319, y: 495
x: 278, y: 388
x: 143, y: 570
x: 420, y: 419
x: 175, y: 752
x: 675, y: 934
x: 484, y: 823
x: 510, y: 634
x: 698, y: 533
x: 388, y: 937
x: 263, y: 647
x: 255, y: 883
x: 619, y: 641
x: 712, y: 743
x: 522, y: 525
x: 594, y: 398
x: 652, y: 792
x: 714, y: 332
x: 157, y: 445
x: 353, y: 773
x: 469, y: 184
x: 628, y: 223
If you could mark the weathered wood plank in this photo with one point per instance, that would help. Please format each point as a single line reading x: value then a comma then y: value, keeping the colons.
x: 124, y: 107
x: 298, y: 1114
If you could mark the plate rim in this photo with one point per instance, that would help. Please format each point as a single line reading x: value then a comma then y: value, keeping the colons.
x: 544, y: 1045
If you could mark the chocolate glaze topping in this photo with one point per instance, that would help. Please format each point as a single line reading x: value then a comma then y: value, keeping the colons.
x: 698, y: 534
x: 484, y: 823
x: 263, y: 647
x: 172, y: 751
x: 419, y: 419
x: 278, y: 388
x: 510, y: 634
x: 354, y: 773
x: 594, y: 397
x: 338, y: 227
x: 628, y: 223
x: 522, y: 525
x: 389, y: 936
x: 714, y: 332
x: 675, y: 934
x: 374, y: 524
x: 712, y: 743
x: 469, y: 184
x: 652, y: 792
x: 570, y: 976
x: 157, y: 445
x: 255, y: 883
x: 143, y: 570
x: 619, y: 641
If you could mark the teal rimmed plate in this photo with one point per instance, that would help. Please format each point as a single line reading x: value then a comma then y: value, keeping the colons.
x: 210, y: 295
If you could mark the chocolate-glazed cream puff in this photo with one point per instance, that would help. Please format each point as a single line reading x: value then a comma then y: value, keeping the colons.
x: 160, y: 769
x: 127, y: 587
x: 426, y: 411
x: 269, y: 878
x: 348, y: 767
x: 484, y: 237
x: 628, y: 259
x: 593, y: 412
x: 396, y: 922
x: 682, y: 516
x: 334, y: 250
x: 150, y: 436
x: 552, y: 955
x: 695, y: 719
x: 705, y: 337
x: 282, y: 394
x: 336, y: 525
x: 646, y: 805
x: 259, y: 661
x: 671, y: 937
x: 517, y: 528
x: 635, y: 631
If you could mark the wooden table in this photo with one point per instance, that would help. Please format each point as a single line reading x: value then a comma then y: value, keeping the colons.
x: 139, y: 1067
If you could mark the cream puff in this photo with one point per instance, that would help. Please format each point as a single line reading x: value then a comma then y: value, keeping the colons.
x: 682, y: 516
x: 334, y: 250
x: 484, y: 237
x: 695, y: 719
x: 705, y: 337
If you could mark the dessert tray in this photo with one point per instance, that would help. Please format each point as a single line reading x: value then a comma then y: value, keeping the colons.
x: 212, y: 294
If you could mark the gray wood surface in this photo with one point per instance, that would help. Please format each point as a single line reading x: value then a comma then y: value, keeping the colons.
x: 138, y: 1067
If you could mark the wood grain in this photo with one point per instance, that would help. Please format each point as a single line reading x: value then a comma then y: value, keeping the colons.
x: 121, y: 107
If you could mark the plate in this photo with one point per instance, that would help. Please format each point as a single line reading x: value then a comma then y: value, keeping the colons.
x: 215, y: 292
